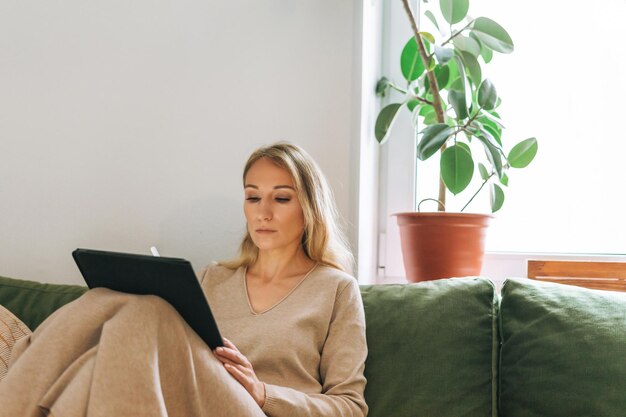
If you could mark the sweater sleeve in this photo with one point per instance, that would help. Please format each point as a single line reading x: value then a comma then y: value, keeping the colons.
x: 341, y: 368
x: 206, y: 271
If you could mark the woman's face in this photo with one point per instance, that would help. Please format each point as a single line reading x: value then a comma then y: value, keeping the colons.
x: 272, y: 208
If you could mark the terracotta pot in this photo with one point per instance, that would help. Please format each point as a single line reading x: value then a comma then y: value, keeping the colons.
x: 442, y: 245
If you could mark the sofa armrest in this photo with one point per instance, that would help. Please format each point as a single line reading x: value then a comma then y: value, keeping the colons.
x: 32, y: 301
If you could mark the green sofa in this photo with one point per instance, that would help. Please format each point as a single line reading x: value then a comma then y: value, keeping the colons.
x: 456, y: 347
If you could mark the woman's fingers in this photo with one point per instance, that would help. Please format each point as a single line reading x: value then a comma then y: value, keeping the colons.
x: 238, y: 374
x: 225, y: 360
x: 241, y: 374
x: 233, y: 355
x: 229, y: 344
x: 241, y: 369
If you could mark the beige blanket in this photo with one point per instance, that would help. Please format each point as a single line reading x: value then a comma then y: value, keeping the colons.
x: 112, y: 354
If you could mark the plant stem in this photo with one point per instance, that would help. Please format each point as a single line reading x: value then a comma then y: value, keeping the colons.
x: 422, y: 100
x: 466, y: 125
x: 476, y: 193
x: 430, y: 199
x: 398, y: 89
x: 434, y: 86
x: 457, y: 33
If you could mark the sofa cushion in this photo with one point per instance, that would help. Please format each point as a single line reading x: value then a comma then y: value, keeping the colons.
x: 32, y: 301
x: 432, y: 348
x: 563, y: 351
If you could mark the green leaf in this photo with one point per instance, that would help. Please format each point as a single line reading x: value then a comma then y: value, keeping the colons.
x: 457, y: 168
x: 432, y: 18
x: 485, y: 52
x: 461, y: 70
x: 486, y: 135
x: 493, y: 131
x: 454, y: 71
x: 426, y: 81
x: 457, y: 99
x: 473, y: 67
x: 492, y: 35
x: 464, y: 146
x: 505, y: 180
x: 492, y: 127
x: 493, y: 155
x: 433, y: 137
x: 463, y: 43
x: 442, y: 74
x: 497, y: 197
x: 493, y: 117
x: 412, y: 104
x: 443, y: 54
x: 428, y: 36
x: 473, y: 105
x: 483, y: 172
x: 410, y: 61
x: 384, y: 121
x: 487, y: 95
x: 382, y: 86
x: 430, y: 118
x: 454, y: 10
x: 523, y: 153
x: 426, y: 109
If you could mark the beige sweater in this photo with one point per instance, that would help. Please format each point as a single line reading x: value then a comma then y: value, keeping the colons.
x: 309, y: 349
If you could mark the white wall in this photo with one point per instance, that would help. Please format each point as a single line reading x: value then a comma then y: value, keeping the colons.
x: 126, y: 124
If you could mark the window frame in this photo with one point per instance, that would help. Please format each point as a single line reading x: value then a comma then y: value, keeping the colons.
x: 398, y: 172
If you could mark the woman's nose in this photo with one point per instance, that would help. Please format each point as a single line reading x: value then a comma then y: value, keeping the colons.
x: 265, y: 211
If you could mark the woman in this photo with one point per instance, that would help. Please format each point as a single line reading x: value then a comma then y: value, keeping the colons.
x: 294, y: 321
x: 285, y: 303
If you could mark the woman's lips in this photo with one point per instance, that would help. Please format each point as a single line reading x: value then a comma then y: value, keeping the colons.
x: 265, y: 231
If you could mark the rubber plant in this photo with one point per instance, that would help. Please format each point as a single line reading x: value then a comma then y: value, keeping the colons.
x: 452, y: 104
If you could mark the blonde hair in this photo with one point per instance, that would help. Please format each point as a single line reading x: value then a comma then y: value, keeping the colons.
x: 322, y: 240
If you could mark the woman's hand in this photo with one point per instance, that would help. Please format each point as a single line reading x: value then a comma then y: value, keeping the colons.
x: 240, y: 367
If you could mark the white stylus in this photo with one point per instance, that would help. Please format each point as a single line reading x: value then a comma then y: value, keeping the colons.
x: 154, y: 251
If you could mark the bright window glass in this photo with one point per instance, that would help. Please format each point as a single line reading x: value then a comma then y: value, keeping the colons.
x: 564, y: 84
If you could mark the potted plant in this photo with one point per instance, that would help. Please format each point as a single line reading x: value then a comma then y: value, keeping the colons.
x: 453, y: 109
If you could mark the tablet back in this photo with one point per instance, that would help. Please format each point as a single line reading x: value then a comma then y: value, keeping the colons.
x: 172, y: 279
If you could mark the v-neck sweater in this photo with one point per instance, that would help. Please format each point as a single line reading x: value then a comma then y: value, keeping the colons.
x: 309, y: 348
x: 247, y: 292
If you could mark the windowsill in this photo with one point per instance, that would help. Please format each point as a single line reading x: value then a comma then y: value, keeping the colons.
x: 498, y: 266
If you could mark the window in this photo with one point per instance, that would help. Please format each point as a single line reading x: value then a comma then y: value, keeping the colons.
x: 564, y: 84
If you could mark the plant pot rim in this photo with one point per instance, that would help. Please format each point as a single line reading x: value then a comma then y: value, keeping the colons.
x: 441, y: 214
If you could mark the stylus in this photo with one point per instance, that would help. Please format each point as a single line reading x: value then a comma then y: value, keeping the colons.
x: 154, y: 251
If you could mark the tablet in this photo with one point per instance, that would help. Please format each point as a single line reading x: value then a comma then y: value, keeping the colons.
x: 172, y: 279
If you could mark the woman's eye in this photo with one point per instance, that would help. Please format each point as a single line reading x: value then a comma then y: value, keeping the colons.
x: 283, y: 199
x: 253, y: 199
